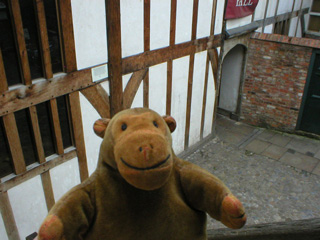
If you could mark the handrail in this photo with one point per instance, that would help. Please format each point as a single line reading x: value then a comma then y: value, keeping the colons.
x: 308, y: 229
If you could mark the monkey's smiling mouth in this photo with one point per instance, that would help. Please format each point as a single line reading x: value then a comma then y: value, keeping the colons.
x: 147, y: 168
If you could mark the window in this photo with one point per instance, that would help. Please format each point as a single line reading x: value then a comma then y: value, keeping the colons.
x: 32, y: 27
x: 314, y: 21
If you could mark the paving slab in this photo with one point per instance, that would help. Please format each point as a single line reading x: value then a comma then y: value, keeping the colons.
x: 280, y: 139
x: 257, y: 146
x: 317, y: 170
x: 300, y: 161
x: 274, y: 152
x: 304, y: 145
x: 242, y: 128
x: 230, y: 136
x: 317, y: 155
x: 266, y: 135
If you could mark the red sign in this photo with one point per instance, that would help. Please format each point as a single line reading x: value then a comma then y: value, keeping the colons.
x: 240, y: 8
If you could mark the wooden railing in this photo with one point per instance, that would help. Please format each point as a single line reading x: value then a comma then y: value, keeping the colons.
x: 292, y: 230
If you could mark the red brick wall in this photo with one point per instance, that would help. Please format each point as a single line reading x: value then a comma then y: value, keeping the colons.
x: 276, y: 73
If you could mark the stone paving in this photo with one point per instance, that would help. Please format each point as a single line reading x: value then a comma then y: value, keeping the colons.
x: 275, y: 175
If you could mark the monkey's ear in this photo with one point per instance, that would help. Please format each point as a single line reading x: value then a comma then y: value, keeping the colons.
x: 170, y: 122
x: 100, y: 126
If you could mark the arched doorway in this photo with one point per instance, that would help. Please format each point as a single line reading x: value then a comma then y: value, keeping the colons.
x: 231, y: 79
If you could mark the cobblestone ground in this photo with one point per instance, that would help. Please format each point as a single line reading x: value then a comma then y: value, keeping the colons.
x: 269, y: 190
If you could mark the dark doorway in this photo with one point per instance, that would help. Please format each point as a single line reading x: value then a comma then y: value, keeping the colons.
x: 309, y: 120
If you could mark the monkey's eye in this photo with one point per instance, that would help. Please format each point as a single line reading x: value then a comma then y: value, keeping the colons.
x: 124, y: 126
x: 155, y: 124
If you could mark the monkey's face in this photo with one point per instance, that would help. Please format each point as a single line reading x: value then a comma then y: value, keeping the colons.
x: 141, y: 145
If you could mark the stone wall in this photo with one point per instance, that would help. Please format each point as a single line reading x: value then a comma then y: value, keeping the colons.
x: 276, y: 72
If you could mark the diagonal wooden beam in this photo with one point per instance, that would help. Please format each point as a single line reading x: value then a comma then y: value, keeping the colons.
x: 99, y: 99
x: 214, y: 58
x: 132, y: 87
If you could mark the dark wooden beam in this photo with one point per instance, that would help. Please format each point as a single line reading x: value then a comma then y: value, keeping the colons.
x: 42, y: 90
x: 43, y: 35
x: 173, y: 19
x: 132, y: 87
x: 14, y: 7
x: 147, y: 59
x: 114, y: 55
x: 146, y: 20
x: 99, y: 99
x: 76, y: 119
x: 67, y: 35
x: 8, y: 217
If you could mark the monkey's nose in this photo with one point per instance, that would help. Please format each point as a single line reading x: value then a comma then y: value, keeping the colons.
x: 145, y: 150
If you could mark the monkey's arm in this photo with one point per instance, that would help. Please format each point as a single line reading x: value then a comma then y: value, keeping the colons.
x: 207, y: 193
x: 70, y: 217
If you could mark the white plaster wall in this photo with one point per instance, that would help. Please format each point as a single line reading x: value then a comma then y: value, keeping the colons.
x: 179, y: 100
x: 260, y: 10
x: 131, y: 27
x: 234, y: 23
x: 306, y: 3
x: 297, y: 5
x: 211, y: 95
x: 204, y: 18
x: 159, y: 23
x: 3, y: 232
x: 268, y: 28
x: 299, y: 30
x: 271, y: 8
x: 158, y: 88
x: 89, y: 26
x: 64, y: 177
x: 285, y: 6
x: 28, y: 206
x: 184, y: 20
x: 293, y: 26
x: 219, y: 17
x: 197, y: 96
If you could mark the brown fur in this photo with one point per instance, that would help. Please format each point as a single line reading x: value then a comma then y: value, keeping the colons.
x: 140, y: 189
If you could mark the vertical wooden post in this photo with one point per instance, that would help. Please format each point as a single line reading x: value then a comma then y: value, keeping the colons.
x: 205, y: 88
x: 67, y: 36
x: 114, y: 55
x: 275, y: 15
x: 5, y: 207
x: 146, y: 12
x: 8, y: 218
x: 19, y: 36
x: 56, y: 126
x: 265, y: 16
x: 173, y: 19
x: 76, y: 120
x: 43, y: 34
x: 45, y: 177
x: 190, y: 76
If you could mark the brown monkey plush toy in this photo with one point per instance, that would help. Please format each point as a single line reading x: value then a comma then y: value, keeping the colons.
x: 141, y: 189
